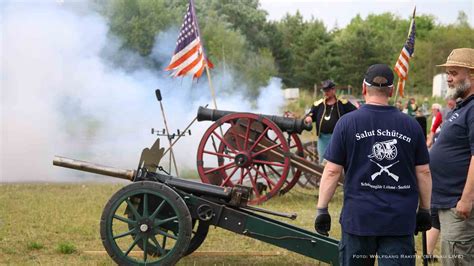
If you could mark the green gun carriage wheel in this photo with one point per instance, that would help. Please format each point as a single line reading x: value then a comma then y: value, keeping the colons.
x: 164, y: 231
x: 200, y: 230
x: 199, y: 233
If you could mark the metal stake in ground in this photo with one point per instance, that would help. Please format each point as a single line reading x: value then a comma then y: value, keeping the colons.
x: 172, y: 158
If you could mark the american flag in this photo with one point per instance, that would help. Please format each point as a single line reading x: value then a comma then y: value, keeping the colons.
x: 189, y: 57
x: 403, y: 62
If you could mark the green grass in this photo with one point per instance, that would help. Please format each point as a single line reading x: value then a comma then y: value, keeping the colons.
x: 52, y: 224
x: 66, y: 248
x: 34, y: 245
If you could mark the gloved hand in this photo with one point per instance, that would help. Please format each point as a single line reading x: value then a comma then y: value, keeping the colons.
x: 423, y: 220
x: 322, y: 223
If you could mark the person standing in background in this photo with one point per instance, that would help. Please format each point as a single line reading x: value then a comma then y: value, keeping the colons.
x: 452, y: 164
x: 435, y: 124
x: 325, y: 113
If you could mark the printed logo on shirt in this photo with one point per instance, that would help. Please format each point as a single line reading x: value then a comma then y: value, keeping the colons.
x: 382, y: 133
x: 384, y: 150
x: 453, y: 117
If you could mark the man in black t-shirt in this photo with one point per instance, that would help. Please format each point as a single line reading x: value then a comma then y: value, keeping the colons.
x: 385, y: 160
x: 452, y: 164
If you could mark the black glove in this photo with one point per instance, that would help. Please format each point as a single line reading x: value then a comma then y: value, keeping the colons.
x: 322, y: 224
x: 423, y: 220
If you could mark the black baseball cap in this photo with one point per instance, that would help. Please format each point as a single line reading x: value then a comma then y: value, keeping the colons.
x: 379, y: 75
x: 328, y: 84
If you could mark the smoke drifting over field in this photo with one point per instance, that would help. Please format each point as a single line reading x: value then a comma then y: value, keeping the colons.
x: 61, y: 94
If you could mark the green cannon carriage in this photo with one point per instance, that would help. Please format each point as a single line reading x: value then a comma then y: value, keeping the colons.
x: 158, y: 219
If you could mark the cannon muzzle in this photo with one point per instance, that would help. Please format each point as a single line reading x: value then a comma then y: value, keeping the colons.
x: 93, y: 168
x: 286, y: 124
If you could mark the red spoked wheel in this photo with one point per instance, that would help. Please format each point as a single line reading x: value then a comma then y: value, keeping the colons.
x: 296, y: 147
x: 236, y: 149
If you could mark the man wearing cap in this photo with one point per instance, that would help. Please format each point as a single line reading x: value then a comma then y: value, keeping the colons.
x: 325, y: 113
x: 387, y: 185
x: 452, y: 164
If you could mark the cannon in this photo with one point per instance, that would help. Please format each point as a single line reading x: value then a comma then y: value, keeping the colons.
x: 261, y: 151
x: 158, y: 218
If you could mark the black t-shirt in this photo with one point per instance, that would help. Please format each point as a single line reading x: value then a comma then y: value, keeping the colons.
x: 329, y: 119
x: 451, y: 156
x: 379, y: 148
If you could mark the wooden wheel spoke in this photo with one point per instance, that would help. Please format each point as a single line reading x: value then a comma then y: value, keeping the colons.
x: 213, y: 141
x: 159, y: 249
x: 163, y: 233
x: 257, y: 141
x: 125, y: 220
x: 145, y: 205
x: 275, y: 174
x: 160, y: 222
x: 219, y: 154
x: 131, y: 231
x: 133, y: 209
x: 225, y: 167
x: 227, y: 179
x: 232, y: 123
x: 135, y: 241
x: 254, y: 184
x: 269, y: 163
x: 145, y: 246
x: 274, y: 171
x: 157, y: 210
x: 225, y: 142
x: 270, y: 183
x: 265, y: 150
x: 247, y: 133
x: 242, y: 175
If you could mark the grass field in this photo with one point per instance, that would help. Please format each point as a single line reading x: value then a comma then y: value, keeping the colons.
x: 58, y: 224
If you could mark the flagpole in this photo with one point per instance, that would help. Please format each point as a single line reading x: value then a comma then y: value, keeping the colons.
x: 213, y: 95
x: 397, y: 91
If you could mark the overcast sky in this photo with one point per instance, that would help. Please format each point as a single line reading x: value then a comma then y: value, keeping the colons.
x: 342, y: 11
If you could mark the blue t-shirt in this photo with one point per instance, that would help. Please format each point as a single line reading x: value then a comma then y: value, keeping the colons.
x: 451, y: 155
x: 379, y: 147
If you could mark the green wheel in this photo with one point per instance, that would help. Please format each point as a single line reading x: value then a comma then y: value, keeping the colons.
x: 146, y: 223
x: 200, y: 230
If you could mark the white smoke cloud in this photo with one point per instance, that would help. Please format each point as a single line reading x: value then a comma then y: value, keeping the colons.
x: 62, y: 95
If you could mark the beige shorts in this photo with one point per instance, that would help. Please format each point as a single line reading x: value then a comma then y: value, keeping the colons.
x: 457, y: 238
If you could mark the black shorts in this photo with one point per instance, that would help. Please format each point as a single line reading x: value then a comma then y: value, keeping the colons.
x: 435, y: 219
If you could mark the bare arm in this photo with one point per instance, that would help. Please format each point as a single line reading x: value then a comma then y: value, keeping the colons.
x: 429, y: 140
x: 464, y: 206
x: 328, y: 184
x: 423, y: 178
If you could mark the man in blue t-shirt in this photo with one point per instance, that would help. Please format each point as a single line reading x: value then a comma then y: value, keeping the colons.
x: 385, y: 159
x: 452, y: 164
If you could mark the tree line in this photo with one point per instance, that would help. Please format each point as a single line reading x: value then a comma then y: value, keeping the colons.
x: 239, y: 36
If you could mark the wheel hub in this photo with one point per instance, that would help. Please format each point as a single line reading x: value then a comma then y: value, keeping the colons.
x: 243, y: 159
x: 143, y: 227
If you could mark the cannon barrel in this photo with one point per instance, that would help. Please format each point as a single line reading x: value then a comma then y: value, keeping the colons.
x: 286, y: 124
x: 93, y: 168
x: 236, y: 195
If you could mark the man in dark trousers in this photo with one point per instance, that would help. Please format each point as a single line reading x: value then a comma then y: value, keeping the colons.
x: 325, y: 113
x: 384, y: 155
x: 452, y: 164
